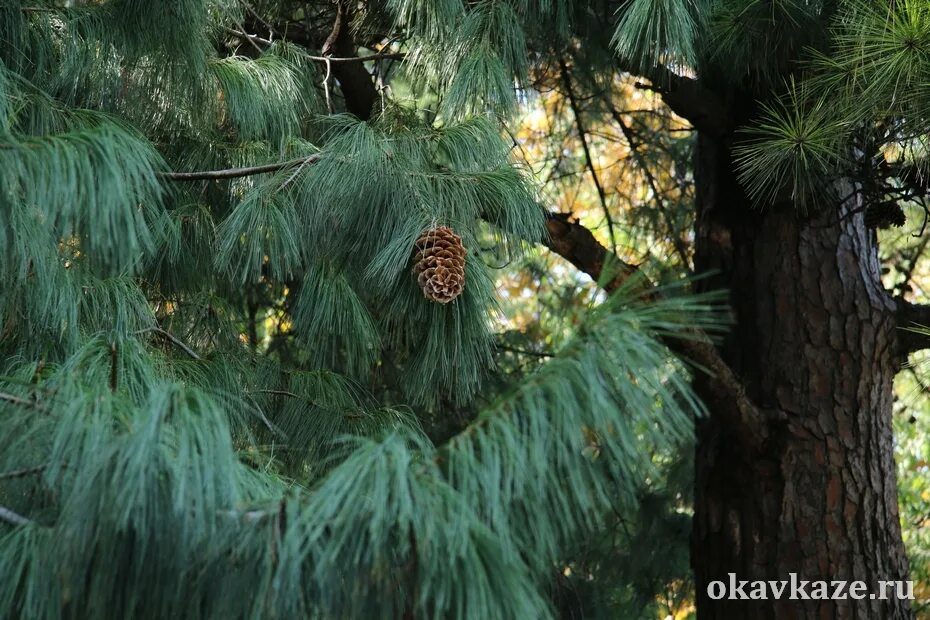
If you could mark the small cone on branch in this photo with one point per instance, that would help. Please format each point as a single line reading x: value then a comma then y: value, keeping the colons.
x: 439, y: 264
x: 884, y: 215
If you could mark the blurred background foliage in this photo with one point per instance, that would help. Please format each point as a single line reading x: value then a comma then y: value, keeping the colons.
x: 608, y: 176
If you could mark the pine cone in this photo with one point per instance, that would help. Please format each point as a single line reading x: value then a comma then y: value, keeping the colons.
x: 884, y: 215
x: 439, y: 264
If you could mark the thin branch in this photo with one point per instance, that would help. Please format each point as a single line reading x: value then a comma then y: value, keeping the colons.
x: 11, y: 517
x: 16, y: 400
x: 252, y: 42
x: 349, y: 59
x: 251, y: 38
x: 539, y: 354
x: 114, y: 367
x: 329, y: 71
x: 235, y: 173
x: 573, y: 103
x: 276, y: 393
x: 923, y: 226
x: 634, y: 144
x: 21, y: 473
x: 271, y: 427
x: 171, y: 338
x: 355, y: 83
x: 294, y: 175
x: 271, y: 31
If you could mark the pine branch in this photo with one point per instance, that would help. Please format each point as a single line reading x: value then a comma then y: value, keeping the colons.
x: 16, y: 400
x: 589, y: 160
x: 14, y: 518
x: 338, y: 52
x: 235, y: 173
x: 173, y: 339
x: 323, y: 59
x: 21, y: 473
x: 360, y: 59
x: 913, y: 327
x: 277, y: 393
x: 575, y: 243
x: 519, y: 351
x: 251, y: 40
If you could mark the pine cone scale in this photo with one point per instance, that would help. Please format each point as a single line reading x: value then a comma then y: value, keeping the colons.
x: 439, y: 264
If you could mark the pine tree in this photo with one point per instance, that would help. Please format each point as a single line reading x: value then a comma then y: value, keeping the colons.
x: 225, y: 392
x: 245, y: 268
x: 810, y: 120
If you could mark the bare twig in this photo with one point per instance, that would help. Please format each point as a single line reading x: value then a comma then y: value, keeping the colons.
x: 261, y: 414
x: 293, y: 176
x: 171, y: 338
x: 271, y: 31
x: 349, y: 59
x: 589, y: 160
x: 539, y: 354
x: 277, y: 393
x: 338, y: 24
x: 251, y: 38
x: 235, y: 173
x: 912, y: 265
x: 12, y: 517
x: 329, y: 102
x: 114, y: 367
x: 634, y: 144
x: 22, y: 473
x: 271, y: 427
x: 252, y: 41
x: 16, y: 400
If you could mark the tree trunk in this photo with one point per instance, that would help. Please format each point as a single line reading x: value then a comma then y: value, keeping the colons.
x: 814, y: 343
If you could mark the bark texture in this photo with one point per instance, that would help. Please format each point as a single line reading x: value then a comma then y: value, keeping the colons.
x: 814, y: 345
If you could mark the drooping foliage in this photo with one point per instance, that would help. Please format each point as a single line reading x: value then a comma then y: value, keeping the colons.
x: 224, y: 394
x: 183, y: 357
x: 220, y: 382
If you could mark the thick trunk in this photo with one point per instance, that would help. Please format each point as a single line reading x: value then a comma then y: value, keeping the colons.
x: 814, y: 344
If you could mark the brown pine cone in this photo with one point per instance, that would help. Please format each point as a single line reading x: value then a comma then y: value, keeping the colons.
x: 439, y: 264
x: 884, y: 215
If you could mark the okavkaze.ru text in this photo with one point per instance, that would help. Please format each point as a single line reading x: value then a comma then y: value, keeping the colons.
x: 795, y: 588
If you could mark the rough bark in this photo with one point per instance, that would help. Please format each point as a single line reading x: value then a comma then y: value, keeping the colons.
x: 354, y: 80
x: 815, y: 347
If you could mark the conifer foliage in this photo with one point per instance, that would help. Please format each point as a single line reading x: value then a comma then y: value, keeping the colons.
x: 215, y: 362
